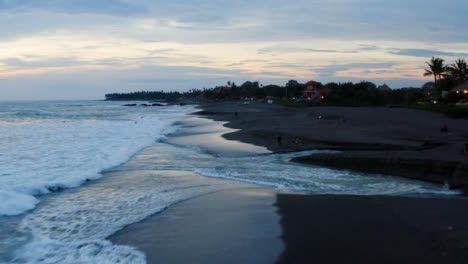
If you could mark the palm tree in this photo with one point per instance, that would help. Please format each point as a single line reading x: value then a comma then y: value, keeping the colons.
x: 458, y: 70
x: 436, y: 68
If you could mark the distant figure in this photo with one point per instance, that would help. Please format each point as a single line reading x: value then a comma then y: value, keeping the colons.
x: 444, y: 128
x: 297, y: 141
x: 279, y: 140
x: 465, y: 151
x: 236, y: 114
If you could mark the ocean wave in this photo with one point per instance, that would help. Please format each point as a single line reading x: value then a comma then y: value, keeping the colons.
x: 40, y: 158
x: 43, y: 250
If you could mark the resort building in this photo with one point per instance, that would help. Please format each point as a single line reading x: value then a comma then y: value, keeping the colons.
x: 462, y: 88
x: 315, y: 91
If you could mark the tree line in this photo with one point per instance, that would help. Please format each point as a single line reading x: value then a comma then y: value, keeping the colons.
x: 447, y: 77
x: 348, y: 94
x: 363, y: 93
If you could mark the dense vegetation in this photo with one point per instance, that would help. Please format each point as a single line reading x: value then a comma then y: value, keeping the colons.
x: 428, y: 97
x: 366, y: 94
x: 144, y: 96
x: 349, y: 94
x: 446, y: 77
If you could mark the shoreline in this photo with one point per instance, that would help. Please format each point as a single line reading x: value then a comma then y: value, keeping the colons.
x: 253, y: 224
x: 229, y: 226
x: 397, y: 142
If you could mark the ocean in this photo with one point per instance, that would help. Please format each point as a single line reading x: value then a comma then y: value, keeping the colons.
x: 72, y: 173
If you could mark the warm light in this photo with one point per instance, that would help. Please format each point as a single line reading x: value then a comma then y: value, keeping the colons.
x: 466, y: 91
x: 435, y: 102
x: 458, y: 91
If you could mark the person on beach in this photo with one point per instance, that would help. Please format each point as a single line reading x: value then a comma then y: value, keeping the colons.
x: 297, y: 141
x: 279, y: 140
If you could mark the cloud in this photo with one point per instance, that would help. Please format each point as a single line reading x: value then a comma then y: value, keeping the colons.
x: 296, y: 49
x: 112, y: 7
x: 329, y: 51
x: 60, y: 62
x: 235, y: 64
x: 426, y: 53
x: 258, y: 38
x: 366, y: 47
x: 331, y: 70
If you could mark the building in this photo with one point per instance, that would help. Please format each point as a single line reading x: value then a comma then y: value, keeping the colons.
x: 269, y: 99
x: 462, y: 88
x: 315, y: 91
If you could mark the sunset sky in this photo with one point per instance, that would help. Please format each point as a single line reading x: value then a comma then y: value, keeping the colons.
x: 82, y: 49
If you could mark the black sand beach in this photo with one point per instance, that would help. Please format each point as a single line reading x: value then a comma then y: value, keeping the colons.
x: 254, y: 225
x: 374, y: 229
x: 394, y: 141
x: 234, y: 226
x: 241, y: 226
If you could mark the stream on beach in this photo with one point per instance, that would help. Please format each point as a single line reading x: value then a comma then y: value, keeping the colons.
x: 72, y: 173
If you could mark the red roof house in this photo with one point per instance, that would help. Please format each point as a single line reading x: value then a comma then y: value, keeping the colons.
x: 315, y: 91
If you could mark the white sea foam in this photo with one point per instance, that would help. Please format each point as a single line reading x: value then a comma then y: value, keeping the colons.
x: 14, y: 203
x: 39, y: 157
x: 47, y: 251
x: 73, y: 228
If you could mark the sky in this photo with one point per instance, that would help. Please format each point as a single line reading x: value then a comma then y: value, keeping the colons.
x: 83, y: 49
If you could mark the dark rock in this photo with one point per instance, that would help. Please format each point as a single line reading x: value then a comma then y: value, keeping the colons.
x: 130, y: 105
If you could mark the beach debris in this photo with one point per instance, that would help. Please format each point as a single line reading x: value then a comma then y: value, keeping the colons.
x: 444, y: 128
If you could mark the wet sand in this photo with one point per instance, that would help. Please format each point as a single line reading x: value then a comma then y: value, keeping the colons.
x: 234, y: 226
x: 252, y: 225
x: 375, y: 229
x: 394, y: 141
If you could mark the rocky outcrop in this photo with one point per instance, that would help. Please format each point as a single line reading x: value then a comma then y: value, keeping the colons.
x: 453, y: 173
